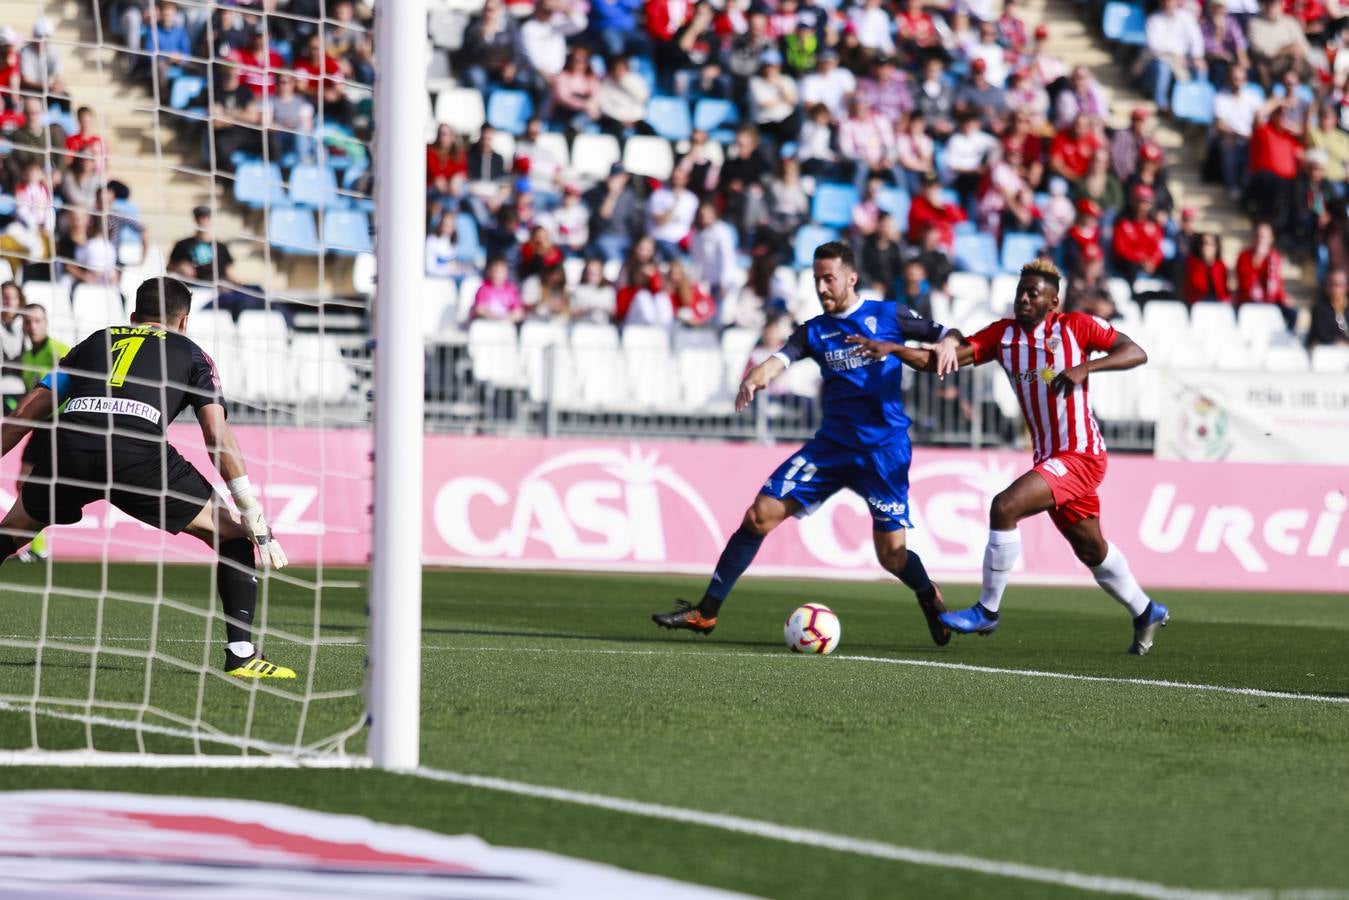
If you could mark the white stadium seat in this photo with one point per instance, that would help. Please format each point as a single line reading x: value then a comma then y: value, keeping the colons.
x: 648, y: 155
x: 321, y: 374
x: 503, y: 142
x: 803, y: 378
x: 1212, y: 317
x: 702, y: 378
x: 646, y: 355
x: 264, y: 341
x: 1166, y: 318
x: 1286, y: 358
x: 1238, y: 356
x: 363, y: 274
x: 1260, y: 323
x: 494, y: 351
x: 593, y: 155
x: 468, y: 292
x: 1332, y: 360
x: 540, y: 341
x: 440, y: 307
x: 597, y: 363
x: 96, y: 307
x: 967, y: 285
x: 461, y: 109
x: 1002, y: 295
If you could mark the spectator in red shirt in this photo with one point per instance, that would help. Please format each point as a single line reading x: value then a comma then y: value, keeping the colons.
x: 1205, y: 271
x: 1071, y: 152
x: 930, y: 209
x: 1274, y: 155
x: 445, y: 158
x: 260, y: 64
x: 85, y: 143
x: 1084, y: 233
x: 319, y: 77
x: 915, y: 29
x: 10, y: 73
x: 1137, y: 245
x: 693, y: 305
x: 1260, y: 274
x: 539, y: 254
x: 1011, y: 30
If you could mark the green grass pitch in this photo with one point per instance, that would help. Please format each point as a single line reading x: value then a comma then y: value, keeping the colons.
x: 561, y: 680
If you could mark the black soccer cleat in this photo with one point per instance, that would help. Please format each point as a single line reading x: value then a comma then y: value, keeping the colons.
x: 686, y: 616
x: 930, y: 602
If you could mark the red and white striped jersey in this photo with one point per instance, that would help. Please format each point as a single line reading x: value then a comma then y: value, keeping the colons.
x: 1058, y: 423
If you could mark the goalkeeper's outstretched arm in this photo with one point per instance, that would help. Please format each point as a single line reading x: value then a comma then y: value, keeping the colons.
x: 229, y: 462
x: 36, y: 406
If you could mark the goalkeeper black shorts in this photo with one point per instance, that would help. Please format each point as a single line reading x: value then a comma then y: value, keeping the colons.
x: 158, y: 488
x: 39, y: 446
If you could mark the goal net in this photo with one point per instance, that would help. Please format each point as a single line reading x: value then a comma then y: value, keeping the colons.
x: 232, y: 150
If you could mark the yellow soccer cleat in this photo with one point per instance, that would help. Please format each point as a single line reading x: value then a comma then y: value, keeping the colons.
x: 257, y: 667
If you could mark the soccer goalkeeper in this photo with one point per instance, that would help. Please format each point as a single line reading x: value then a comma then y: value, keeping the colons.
x: 121, y: 387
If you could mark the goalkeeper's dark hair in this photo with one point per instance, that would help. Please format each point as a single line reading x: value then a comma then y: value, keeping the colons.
x: 162, y: 300
x: 836, y: 250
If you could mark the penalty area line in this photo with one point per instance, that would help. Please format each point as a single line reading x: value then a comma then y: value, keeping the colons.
x: 1101, y: 884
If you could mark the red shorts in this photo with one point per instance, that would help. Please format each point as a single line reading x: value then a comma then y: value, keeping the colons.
x: 1073, y: 479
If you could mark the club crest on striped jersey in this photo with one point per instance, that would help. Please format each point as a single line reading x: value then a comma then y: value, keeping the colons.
x: 1054, y: 343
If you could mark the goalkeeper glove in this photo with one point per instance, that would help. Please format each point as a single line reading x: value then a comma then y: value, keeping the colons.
x: 269, y: 548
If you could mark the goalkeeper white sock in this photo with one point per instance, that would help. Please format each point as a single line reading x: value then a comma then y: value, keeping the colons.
x: 1114, y: 577
x: 243, y: 649
x: 999, y: 556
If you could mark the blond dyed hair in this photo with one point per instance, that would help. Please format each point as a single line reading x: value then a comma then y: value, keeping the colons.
x: 1042, y: 267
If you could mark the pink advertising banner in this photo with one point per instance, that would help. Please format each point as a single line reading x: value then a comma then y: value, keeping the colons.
x: 668, y: 507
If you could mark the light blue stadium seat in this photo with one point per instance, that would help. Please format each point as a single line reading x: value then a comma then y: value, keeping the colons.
x: 257, y: 184
x: 467, y: 241
x: 509, y: 110
x: 291, y: 230
x: 719, y: 118
x: 895, y: 201
x: 346, y: 232
x: 1193, y: 102
x: 977, y: 252
x: 646, y: 69
x: 186, y: 91
x: 314, y: 186
x: 833, y: 204
x: 1123, y: 22
x: 808, y: 237
x: 669, y: 116
x: 1019, y: 248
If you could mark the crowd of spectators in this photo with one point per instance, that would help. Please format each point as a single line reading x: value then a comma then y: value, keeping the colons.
x: 962, y: 110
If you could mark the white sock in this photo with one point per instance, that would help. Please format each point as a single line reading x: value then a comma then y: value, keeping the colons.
x: 1114, y: 576
x: 999, y: 556
x: 241, y: 648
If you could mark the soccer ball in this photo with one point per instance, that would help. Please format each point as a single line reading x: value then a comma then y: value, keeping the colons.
x: 813, y: 628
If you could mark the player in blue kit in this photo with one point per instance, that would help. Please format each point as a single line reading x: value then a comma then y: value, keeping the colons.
x: 862, y: 444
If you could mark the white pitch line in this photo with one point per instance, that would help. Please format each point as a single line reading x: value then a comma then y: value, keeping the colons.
x: 1102, y: 884
x: 879, y: 660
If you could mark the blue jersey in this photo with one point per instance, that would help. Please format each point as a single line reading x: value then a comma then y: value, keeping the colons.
x: 863, y: 401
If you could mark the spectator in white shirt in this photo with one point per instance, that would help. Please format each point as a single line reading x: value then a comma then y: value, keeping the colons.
x: 713, y: 251
x: 570, y: 222
x: 828, y: 84
x: 874, y: 25
x: 1175, y: 50
x: 992, y: 53
x: 1234, y: 112
x: 442, y: 249
x: 593, y: 299
x: 543, y: 39
x: 966, y: 155
x: 623, y: 95
x: 773, y: 99
x: 670, y: 211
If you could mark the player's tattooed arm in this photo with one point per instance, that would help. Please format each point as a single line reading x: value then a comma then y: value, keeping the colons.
x: 1123, y: 354
x: 36, y: 406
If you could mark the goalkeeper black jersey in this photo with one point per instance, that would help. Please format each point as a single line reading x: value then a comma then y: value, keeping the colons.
x: 129, y: 382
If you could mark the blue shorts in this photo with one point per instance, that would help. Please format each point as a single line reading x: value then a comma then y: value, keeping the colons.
x: 822, y: 468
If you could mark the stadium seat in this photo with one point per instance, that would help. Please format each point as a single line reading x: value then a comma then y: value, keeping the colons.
x: 1260, y: 323
x: 185, y: 92
x: 1238, y: 356
x: 1192, y: 101
x: 598, y: 366
x: 258, y: 184
x: 494, y: 351
x: 314, y: 186
x: 94, y: 307
x: 718, y: 118
x: 895, y: 201
x: 736, y: 346
x: 967, y: 285
x: 264, y: 340
x: 346, y: 232
x: 211, y: 328
x: 977, y: 252
x: 555, y: 144
x: 1286, y: 358
x: 1113, y: 400
x: 649, y: 156
x: 318, y: 371
x: 363, y: 274
x: 503, y: 142
x: 646, y: 354
x: 468, y: 292
x: 1124, y: 22
x: 1166, y: 320
x: 1213, y: 317
x: 509, y: 110
x: 802, y: 378
x: 1331, y: 360
x: 833, y: 204
x: 462, y: 109
x: 594, y: 154
x: 292, y: 231
x: 669, y: 116
x: 808, y: 237
x: 439, y: 308
x: 702, y: 378
x: 467, y: 243
x: 1019, y: 248
x: 1002, y: 294
x: 540, y: 342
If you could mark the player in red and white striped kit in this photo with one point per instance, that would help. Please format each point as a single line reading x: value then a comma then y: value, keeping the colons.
x: 1046, y: 354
